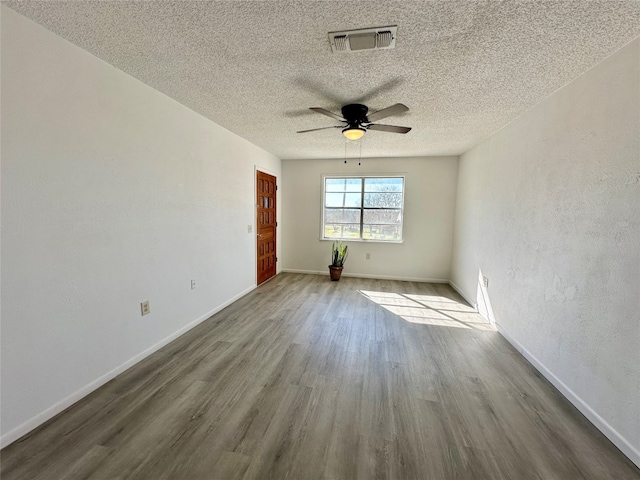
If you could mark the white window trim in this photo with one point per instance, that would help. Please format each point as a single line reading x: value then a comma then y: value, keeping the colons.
x: 371, y: 175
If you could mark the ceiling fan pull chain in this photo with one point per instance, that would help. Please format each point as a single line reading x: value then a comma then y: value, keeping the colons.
x: 345, y: 150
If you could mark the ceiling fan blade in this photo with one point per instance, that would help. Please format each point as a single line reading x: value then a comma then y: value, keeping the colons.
x: 328, y: 113
x: 389, y: 128
x: 387, y: 112
x: 322, y: 128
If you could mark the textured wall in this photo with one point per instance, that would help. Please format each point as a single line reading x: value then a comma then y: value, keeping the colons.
x: 112, y: 194
x: 428, y: 218
x: 549, y: 209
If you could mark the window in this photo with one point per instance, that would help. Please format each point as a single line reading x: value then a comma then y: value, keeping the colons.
x: 363, y: 208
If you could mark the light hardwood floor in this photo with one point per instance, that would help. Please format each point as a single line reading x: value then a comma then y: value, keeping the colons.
x: 357, y: 379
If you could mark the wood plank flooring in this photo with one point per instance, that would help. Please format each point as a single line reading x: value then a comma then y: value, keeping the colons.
x: 357, y: 379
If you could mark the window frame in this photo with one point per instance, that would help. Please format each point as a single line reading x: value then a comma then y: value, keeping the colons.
x: 361, y: 208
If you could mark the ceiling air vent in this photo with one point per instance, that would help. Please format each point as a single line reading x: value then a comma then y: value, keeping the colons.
x: 363, y: 39
x: 384, y: 39
x: 340, y: 43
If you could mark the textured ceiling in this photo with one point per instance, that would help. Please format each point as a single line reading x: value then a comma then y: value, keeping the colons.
x: 464, y: 68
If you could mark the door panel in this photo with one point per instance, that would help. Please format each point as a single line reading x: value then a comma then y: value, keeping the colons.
x: 266, y: 226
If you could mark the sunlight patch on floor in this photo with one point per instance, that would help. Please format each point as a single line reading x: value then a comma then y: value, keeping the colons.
x: 429, y: 310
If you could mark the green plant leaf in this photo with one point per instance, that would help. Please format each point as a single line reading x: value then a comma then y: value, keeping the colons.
x: 339, y: 253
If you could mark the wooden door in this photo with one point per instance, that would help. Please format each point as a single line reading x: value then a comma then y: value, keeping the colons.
x: 266, y: 225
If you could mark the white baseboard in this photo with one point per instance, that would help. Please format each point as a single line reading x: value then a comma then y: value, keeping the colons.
x: 469, y: 300
x: 369, y: 275
x: 65, y: 403
x: 601, y: 424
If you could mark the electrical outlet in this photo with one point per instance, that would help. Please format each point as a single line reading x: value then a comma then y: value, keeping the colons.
x: 144, y: 308
x: 368, y: 256
x: 485, y: 282
x: 193, y: 284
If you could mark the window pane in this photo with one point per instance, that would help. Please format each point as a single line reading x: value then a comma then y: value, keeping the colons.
x: 383, y: 184
x: 382, y: 200
x: 339, y: 215
x: 335, y: 230
x: 381, y: 232
x: 343, y: 200
x: 381, y: 217
x: 380, y: 208
x: 343, y: 184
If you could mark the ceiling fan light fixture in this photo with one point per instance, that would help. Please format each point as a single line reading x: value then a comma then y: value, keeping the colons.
x: 353, y: 133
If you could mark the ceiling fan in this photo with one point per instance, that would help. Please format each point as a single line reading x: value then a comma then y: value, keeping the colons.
x: 356, y: 120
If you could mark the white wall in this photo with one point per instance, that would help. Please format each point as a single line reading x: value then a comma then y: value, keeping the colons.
x: 428, y: 221
x: 549, y: 210
x: 112, y: 194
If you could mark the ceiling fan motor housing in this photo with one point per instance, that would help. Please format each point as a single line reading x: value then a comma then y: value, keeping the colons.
x: 355, y: 113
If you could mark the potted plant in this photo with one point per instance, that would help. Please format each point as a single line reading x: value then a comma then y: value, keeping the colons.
x: 339, y: 253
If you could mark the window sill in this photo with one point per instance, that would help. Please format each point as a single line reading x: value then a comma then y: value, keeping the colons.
x: 360, y: 240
